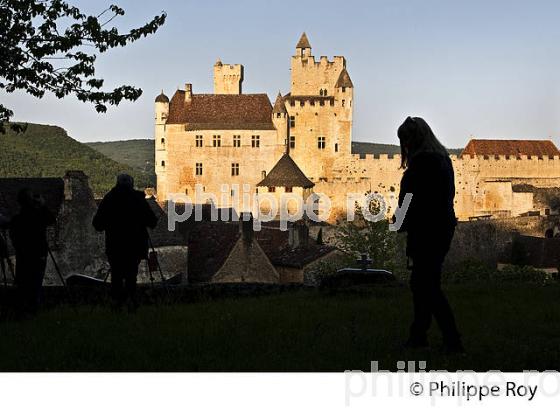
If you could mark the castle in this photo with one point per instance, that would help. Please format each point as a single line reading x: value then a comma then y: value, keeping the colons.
x: 304, y: 142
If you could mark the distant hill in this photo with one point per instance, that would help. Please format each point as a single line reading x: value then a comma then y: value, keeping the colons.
x: 376, y: 149
x: 48, y: 151
x: 139, y: 154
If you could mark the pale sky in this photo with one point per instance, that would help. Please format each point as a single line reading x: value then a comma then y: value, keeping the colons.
x: 483, y: 68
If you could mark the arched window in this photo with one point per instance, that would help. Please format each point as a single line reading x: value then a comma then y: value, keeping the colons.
x: 162, y: 163
x: 163, y: 141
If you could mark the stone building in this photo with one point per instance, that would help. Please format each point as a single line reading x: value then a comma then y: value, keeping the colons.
x: 229, y: 141
x: 232, y: 252
x: 76, y: 246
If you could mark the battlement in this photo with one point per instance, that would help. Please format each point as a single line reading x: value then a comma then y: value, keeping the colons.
x: 309, y: 62
x: 303, y: 101
x: 228, y: 78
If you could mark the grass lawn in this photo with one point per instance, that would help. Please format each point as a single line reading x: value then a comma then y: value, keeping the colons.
x: 509, y: 327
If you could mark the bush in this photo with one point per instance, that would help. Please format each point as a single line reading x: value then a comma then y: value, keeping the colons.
x: 371, y: 238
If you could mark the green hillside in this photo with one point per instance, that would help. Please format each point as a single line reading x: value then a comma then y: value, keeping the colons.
x: 376, y: 149
x: 48, y: 151
x: 139, y: 154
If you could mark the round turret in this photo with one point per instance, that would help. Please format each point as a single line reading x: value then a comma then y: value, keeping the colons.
x: 162, y: 98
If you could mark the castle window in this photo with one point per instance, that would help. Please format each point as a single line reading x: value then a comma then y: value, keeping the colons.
x: 255, y: 141
x: 325, y: 93
x: 163, y: 141
x: 293, y: 103
x: 321, y: 92
x: 321, y: 103
x: 321, y: 142
x: 288, y: 189
x: 292, y: 141
x: 292, y: 121
x: 199, y: 168
x: 336, y: 147
x: 271, y: 189
x: 199, y: 141
x: 217, y: 140
x: 234, y: 169
x: 163, y: 163
x: 343, y: 89
x: 302, y: 103
x: 332, y: 103
x: 263, y: 174
x: 237, y: 141
x: 343, y: 102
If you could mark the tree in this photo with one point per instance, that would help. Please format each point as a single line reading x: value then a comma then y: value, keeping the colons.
x: 51, y: 46
x: 362, y: 236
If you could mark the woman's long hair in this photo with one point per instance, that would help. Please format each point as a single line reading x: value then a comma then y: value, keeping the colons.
x: 416, y: 136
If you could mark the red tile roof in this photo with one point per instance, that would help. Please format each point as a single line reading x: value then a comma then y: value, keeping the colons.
x: 221, y: 111
x: 536, y: 148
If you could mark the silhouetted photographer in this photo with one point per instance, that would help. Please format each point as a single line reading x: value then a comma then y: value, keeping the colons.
x: 124, y: 215
x: 430, y: 224
x: 28, y: 233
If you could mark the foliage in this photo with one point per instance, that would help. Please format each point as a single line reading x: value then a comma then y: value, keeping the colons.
x: 138, y: 154
x: 51, y: 46
x: 475, y: 271
x: 47, y: 151
x: 391, y: 149
x: 366, y: 237
x: 314, y: 275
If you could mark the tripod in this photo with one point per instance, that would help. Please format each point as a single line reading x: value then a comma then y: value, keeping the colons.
x: 5, y: 260
x: 152, y: 265
x: 56, y: 268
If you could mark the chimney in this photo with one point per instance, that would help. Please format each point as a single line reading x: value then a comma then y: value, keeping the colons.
x: 188, y: 92
x: 298, y: 235
x: 246, y: 226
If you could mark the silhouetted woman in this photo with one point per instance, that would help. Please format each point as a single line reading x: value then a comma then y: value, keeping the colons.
x: 430, y: 223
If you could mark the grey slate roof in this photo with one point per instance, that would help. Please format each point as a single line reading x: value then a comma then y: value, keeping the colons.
x: 303, y: 42
x: 344, y: 80
x: 286, y: 173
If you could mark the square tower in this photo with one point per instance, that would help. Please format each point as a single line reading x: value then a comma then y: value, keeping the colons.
x: 227, y: 78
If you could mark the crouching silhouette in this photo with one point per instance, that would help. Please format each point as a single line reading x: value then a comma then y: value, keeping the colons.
x: 124, y: 215
x: 430, y: 224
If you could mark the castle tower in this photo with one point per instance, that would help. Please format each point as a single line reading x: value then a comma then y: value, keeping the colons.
x: 162, y: 112
x: 310, y: 77
x: 303, y: 47
x: 344, y: 96
x: 280, y: 121
x: 228, y: 78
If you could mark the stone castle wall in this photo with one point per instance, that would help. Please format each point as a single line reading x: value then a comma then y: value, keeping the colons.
x: 318, y: 110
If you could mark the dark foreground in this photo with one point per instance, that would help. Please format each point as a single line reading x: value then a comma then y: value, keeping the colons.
x: 510, y: 327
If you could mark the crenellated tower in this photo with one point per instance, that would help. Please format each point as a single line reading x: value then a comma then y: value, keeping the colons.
x: 320, y: 107
x: 228, y: 78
